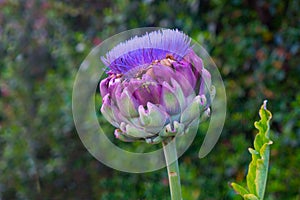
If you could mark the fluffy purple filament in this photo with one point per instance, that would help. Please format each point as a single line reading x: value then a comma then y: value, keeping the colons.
x: 143, y: 50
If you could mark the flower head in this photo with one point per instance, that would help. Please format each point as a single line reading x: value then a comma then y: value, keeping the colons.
x: 156, y: 87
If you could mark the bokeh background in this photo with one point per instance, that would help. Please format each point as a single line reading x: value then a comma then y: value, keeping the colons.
x: 255, y: 44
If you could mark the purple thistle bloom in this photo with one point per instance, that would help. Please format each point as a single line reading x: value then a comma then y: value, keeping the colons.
x: 156, y: 87
x: 144, y: 50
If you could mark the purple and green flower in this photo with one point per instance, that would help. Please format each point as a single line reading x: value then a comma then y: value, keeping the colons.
x: 157, y: 88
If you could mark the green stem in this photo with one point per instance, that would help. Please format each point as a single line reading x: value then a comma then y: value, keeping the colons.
x: 173, y: 169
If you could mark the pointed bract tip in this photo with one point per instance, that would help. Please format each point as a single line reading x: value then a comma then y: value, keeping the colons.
x: 265, y: 104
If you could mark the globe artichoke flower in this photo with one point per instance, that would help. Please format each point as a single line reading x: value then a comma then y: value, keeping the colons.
x: 157, y: 87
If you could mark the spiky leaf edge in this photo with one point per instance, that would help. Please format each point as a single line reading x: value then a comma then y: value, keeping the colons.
x: 258, y: 167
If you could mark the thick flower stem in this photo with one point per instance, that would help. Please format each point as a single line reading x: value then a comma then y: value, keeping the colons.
x: 173, y: 169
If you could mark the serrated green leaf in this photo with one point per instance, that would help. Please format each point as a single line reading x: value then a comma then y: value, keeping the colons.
x: 252, y: 174
x: 253, y: 151
x: 262, y: 169
x: 239, y: 189
x: 250, y: 197
x: 258, y: 167
x: 262, y: 143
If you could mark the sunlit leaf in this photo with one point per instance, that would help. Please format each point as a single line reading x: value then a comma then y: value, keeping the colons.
x: 258, y: 167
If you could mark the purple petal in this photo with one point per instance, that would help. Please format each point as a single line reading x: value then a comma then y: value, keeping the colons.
x: 205, y: 82
x: 127, y: 104
x: 186, y: 70
x: 166, y: 74
x: 194, y: 60
x: 108, y: 84
x: 144, y: 91
x: 106, y: 110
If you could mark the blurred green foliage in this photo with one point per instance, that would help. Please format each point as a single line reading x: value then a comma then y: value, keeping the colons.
x: 255, y: 44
